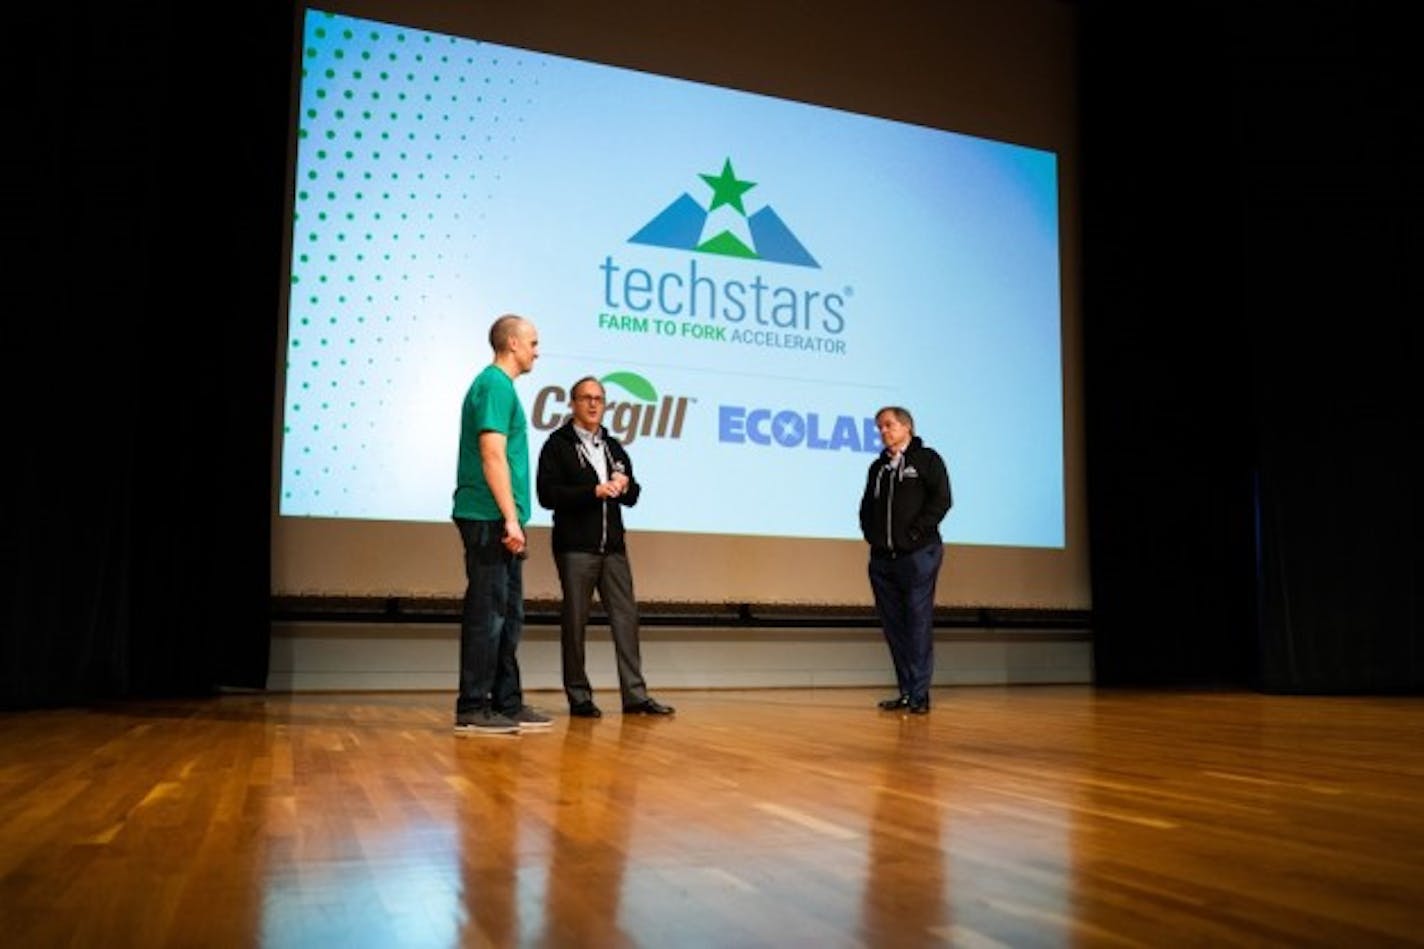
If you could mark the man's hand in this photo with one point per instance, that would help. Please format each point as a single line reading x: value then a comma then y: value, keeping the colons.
x: 514, y: 541
x: 613, y: 487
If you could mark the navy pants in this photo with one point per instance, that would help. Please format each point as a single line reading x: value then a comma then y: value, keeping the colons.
x: 904, y: 589
x: 492, y: 620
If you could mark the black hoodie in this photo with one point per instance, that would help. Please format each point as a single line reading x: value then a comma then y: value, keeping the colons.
x: 566, y: 482
x: 904, y: 503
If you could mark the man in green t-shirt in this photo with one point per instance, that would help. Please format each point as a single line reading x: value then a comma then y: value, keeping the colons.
x: 491, y: 509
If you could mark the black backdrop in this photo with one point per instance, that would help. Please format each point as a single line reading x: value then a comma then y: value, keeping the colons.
x: 1251, y: 268
x: 143, y: 179
x: 1252, y: 264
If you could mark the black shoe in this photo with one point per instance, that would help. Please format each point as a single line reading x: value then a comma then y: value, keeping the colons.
x: 648, y: 707
x: 920, y: 706
x: 585, y: 710
x: 895, y: 704
x: 484, y: 721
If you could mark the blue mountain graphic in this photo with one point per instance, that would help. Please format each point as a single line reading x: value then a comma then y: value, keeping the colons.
x: 774, y: 240
x: 680, y: 225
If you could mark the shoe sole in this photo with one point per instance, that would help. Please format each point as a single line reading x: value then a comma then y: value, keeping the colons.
x: 524, y: 725
x: 465, y: 731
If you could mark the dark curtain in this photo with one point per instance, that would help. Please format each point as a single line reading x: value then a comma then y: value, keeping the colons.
x: 144, y: 230
x: 1333, y: 114
x: 1251, y: 224
x: 1166, y: 365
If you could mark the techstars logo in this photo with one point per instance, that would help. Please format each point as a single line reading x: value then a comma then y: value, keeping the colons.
x: 724, y: 227
x: 643, y: 413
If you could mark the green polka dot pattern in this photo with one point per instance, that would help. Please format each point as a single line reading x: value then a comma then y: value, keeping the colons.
x: 400, y: 137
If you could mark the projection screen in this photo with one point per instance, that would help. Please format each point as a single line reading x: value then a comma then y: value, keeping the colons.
x: 751, y: 277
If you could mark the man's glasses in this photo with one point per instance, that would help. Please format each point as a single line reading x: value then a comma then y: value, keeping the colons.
x: 588, y: 398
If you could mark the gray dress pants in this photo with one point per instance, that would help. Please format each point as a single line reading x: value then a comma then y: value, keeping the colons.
x: 579, y: 575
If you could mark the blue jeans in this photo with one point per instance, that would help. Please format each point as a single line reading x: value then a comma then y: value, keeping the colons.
x: 904, y: 589
x: 491, y: 622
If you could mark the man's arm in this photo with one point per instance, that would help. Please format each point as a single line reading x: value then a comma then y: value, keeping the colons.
x: 938, y: 498
x: 623, y: 486
x: 496, y: 471
x: 866, y: 500
x: 557, y: 485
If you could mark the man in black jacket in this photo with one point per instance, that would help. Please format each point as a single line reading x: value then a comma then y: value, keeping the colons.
x: 906, y: 496
x: 585, y: 477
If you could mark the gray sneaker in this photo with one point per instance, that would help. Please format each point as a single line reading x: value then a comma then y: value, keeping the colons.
x: 527, y: 717
x: 484, y: 722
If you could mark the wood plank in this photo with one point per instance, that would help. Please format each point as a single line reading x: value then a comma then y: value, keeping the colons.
x: 1010, y: 816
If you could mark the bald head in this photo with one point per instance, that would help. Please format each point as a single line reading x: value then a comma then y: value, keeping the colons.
x: 515, y: 342
x: 504, y: 330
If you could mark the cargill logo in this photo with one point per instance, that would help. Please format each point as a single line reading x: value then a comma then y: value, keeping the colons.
x: 640, y: 412
x: 724, y: 227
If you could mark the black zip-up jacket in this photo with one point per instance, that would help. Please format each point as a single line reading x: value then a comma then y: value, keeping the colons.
x: 565, y: 485
x: 903, y: 505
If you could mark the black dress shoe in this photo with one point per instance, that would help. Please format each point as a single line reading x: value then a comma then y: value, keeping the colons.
x: 920, y: 706
x: 895, y: 704
x: 648, y: 707
x: 585, y: 710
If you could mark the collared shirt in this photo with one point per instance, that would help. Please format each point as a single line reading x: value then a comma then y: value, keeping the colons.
x: 591, y: 445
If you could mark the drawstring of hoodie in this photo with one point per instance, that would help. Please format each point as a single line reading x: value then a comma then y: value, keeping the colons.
x: 895, y: 467
x: 586, y: 461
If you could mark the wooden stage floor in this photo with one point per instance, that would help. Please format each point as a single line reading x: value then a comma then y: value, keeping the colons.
x: 1013, y: 816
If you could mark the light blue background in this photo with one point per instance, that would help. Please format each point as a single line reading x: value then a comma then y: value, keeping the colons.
x: 443, y: 181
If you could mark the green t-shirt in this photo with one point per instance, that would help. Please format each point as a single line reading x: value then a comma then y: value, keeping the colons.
x: 491, y: 405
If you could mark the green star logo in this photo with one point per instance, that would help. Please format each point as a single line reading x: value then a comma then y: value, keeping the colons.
x: 727, y: 188
x: 683, y: 223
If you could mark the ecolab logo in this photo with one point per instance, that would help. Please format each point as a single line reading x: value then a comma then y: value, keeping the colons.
x: 644, y: 414
x: 788, y: 428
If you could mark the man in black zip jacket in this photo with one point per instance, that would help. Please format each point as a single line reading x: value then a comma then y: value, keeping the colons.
x: 586, y: 478
x: 906, y: 496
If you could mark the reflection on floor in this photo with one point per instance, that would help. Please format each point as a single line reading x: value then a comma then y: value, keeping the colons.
x: 1007, y: 816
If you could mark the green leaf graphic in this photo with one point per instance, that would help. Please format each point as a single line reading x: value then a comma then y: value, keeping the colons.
x: 634, y: 383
